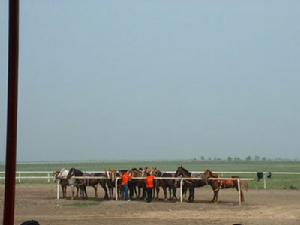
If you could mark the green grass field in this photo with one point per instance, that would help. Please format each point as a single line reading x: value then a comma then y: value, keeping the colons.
x: 277, y: 181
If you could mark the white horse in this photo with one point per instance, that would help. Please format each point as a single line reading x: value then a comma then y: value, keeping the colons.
x: 61, y: 175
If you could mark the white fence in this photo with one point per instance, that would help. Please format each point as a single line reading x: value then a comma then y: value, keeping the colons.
x: 161, y: 178
x: 48, y: 175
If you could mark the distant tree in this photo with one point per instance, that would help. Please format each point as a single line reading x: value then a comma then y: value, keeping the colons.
x: 256, y: 158
x: 229, y: 158
x: 236, y: 159
x: 248, y: 158
x: 209, y: 158
x: 202, y: 158
x: 263, y: 158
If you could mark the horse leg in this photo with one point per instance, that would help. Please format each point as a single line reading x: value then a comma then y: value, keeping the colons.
x: 165, y: 193
x: 132, y: 190
x: 139, y: 192
x: 190, y: 194
x: 144, y: 193
x: 80, y: 191
x: 153, y: 192
x: 105, y: 192
x: 77, y: 188
x: 111, y: 192
x: 214, y: 196
x: 83, y: 193
x: 157, y: 192
x: 193, y: 195
x: 135, y: 190
x: 217, y: 196
x: 170, y: 194
x: 63, y: 190
x: 184, y: 191
x: 72, y: 190
x: 174, y: 193
x: 84, y: 188
x: 242, y: 196
x: 96, y: 191
x: 120, y: 191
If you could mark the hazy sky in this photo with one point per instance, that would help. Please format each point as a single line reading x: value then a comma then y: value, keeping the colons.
x: 159, y: 79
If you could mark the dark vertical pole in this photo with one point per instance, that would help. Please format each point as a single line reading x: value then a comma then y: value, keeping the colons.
x: 12, y: 112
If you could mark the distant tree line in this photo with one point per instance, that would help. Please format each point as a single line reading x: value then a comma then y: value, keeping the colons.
x: 247, y: 158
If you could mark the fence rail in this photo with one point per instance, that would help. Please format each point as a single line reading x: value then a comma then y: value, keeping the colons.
x: 24, y: 175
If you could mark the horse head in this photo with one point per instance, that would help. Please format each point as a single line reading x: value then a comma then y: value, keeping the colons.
x: 182, y: 172
x: 208, y: 174
x: 71, y: 173
x: 55, y: 173
x: 113, y: 174
x: 74, y: 172
x: 156, y: 172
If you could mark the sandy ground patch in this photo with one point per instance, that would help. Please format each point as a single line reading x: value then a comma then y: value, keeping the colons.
x: 261, y: 207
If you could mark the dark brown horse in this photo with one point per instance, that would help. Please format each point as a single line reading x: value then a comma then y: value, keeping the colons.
x: 137, y: 186
x: 165, y: 184
x: 216, y: 184
x: 103, y: 183
x: 83, y: 183
x: 190, y: 184
x: 94, y: 183
x: 77, y: 182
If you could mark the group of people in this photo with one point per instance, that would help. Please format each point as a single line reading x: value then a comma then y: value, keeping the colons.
x: 149, y: 180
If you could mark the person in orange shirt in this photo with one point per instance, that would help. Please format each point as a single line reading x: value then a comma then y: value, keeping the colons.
x: 125, y: 178
x: 149, y: 187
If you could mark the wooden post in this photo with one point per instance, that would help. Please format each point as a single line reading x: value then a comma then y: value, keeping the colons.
x: 116, y: 184
x: 239, y: 187
x: 181, y: 182
x: 57, y: 189
x: 12, y: 113
x: 265, y: 180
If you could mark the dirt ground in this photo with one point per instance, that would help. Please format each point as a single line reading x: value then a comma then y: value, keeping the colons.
x: 261, y: 207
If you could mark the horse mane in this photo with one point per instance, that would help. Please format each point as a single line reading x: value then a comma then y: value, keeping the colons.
x: 184, y: 170
x: 75, y: 171
x: 211, y: 174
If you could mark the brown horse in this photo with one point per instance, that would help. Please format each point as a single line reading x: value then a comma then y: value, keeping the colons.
x: 216, y: 185
x: 165, y: 184
x: 93, y: 182
x: 137, y: 184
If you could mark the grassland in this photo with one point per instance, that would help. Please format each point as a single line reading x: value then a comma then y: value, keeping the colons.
x: 277, y: 181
